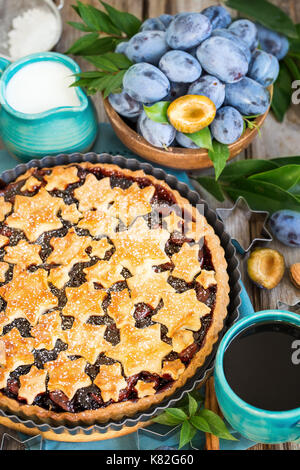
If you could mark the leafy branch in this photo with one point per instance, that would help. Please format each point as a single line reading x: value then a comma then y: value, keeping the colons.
x: 268, y: 185
x: 276, y: 19
x: 105, y: 30
x: 191, y: 416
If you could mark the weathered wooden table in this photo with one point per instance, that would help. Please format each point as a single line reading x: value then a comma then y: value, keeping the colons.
x: 276, y: 140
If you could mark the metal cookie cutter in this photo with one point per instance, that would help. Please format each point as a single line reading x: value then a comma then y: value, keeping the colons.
x: 290, y: 308
x: 34, y: 443
x: 242, y: 213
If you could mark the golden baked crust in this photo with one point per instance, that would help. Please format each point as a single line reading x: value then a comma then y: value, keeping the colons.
x: 91, y: 214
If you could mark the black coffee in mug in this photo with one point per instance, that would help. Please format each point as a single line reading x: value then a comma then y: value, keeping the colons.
x: 262, y: 365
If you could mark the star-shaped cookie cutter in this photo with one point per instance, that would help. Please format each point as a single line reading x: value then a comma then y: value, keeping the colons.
x: 259, y: 217
x: 290, y: 308
x: 33, y: 443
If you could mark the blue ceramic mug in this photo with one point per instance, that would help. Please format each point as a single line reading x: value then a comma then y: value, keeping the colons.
x: 253, y: 423
x: 58, y: 130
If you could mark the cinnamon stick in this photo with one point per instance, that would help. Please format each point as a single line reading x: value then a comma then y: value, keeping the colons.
x: 212, y: 442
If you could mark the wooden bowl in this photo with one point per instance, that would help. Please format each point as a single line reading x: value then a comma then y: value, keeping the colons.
x: 175, y: 157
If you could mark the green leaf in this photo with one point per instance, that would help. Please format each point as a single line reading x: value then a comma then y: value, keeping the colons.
x: 282, y: 94
x: 166, y: 420
x: 184, y: 402
x: 200, y: 423
x: 158, y: 112
x: 281, y: 161
x: 82, y: 43
x: 285, y: 177
x: 124, y: 21
x: 216, y: 424
x: 80, y: 26
x: 115, y: 84
x: 186, y: 434
x: 267, y: 14
x: 236, y: 170
x: 102, y: 63
x: 119, y: 60
x: 92, y: 47
x: 202, y: 138
x: 177, y: 413
x: 261, y: 195
x: 212, y: 186
x: 293, y: 67
x: 193, y: 406
x: 90, y: 74
x: 219, y: 156
x: 101, y: 83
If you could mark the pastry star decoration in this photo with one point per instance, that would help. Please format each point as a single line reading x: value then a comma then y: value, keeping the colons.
x: 3, y: 270
x: 207, y: 278
x: 173, y: 368
x: 24, y: 254
x: 36, y: 215
x: 32, y: 384
x: 110, y: 381
x: 144, y: 389
x: 5, y: 208
x: 47, y: 331
x: 139, y: 247
x: 86, y: 340
x: 27, y: 295
x: 99, y: 223
x: 131, y: 202
x: 174, y: 222
x: 61, y: 177
x: 94, y: 194
x: 66, y: 375
x: 84, y: 302
x: 69, y: 250
x: 149, y: 287
x: 140, y: 349
x: 105, y: 273
x: 18, y: 351
x: 181, y: 311
x: 121, y: 308
x: 186, y: 262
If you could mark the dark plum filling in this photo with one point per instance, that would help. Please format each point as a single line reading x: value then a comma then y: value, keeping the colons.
x: 90, y: 397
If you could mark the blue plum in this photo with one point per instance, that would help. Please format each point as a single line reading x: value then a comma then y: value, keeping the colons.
x: 166, y: 19
x: 125, y: 105
x: 272, y: 42
x: 224, y: 33
x: 222, y: 58
x: 228, y: 125
x: 285, y: 226
x: 146, y: 83
x: 147, y: 46
x: 185, y: 141
x: 176, y: 90
x: 218, y: 16
x: 153, y: 24
x: 188, y: 30
x: 211, y: 87
x: 121, y: 47
x: 179, y: 66
x: 264, y: 68
x: 157, y: 134
x: 245, y: 30
x: 248, y: 96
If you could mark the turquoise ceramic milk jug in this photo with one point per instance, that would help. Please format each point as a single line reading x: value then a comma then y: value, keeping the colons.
x: 63, y: 129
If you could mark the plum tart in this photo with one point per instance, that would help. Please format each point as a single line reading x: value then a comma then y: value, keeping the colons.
x: 113, y: 291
